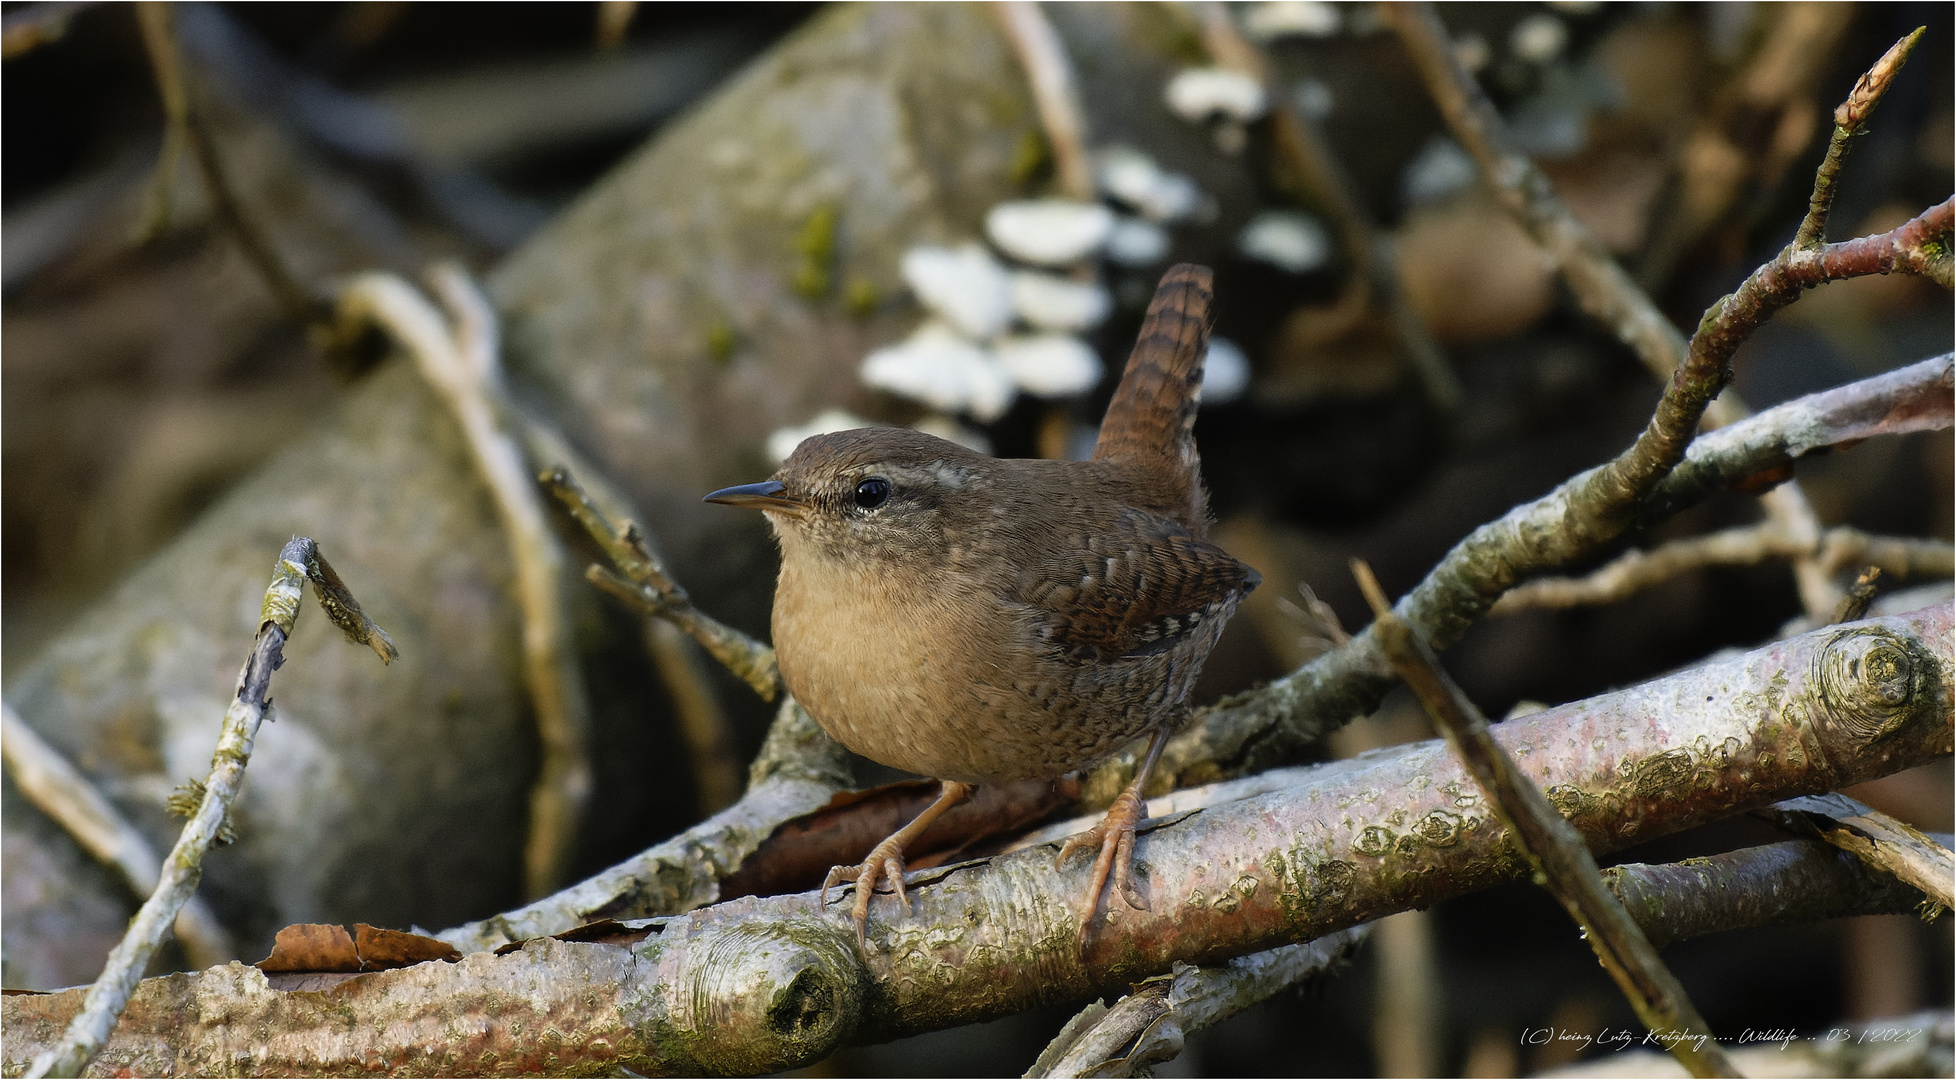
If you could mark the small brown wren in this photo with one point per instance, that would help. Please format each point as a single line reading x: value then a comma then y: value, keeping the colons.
x: 980, y: 620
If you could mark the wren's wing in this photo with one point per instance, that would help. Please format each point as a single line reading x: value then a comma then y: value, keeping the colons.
x: 1149, y: 426
x: 1134, y: 589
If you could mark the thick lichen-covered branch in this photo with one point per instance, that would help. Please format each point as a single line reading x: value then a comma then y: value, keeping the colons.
x: 60, y: 791
x: 84, y: 1036
x: 1798, y: 881
x: 1555, y: 851
x: 459, y: 356
x: 764, y: 984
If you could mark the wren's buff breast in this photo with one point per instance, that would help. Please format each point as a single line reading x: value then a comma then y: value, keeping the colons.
x: 987, y: 620
x: 979, y: 620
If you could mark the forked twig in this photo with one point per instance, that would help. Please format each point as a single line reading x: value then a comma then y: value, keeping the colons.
x: 459, y: 356
x: 1744, y: 546
x: 640, y: 580
x: 187, y: 129
x: 1601, y: 287
x: 298, y: 562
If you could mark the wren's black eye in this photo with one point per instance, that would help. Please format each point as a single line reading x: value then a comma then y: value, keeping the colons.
x: 872, y: 493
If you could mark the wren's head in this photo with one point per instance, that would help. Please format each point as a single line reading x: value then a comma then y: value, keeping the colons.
x: 870, y: 494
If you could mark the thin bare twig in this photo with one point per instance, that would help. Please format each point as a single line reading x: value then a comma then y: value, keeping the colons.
x: 458, y: 356
x: 187, y: 129
x: 1601, y: 287
x: 670, y: 618
x: 1554, y: 849
x: 1306, y: 153
x: 1744, y: 546
x: 60, y: 790
x: 1848, y: 118
x: 717, y: 768
x: 298, y: 562
x: 641, y: 580
x: 1055, y: 93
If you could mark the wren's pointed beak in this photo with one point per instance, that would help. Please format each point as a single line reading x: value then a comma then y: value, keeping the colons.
x: 766, y: 495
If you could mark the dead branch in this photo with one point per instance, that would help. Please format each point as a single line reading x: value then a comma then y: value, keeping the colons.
x: 641, y: 581
x: 757, y: 985
x: 1796, y: 881
x: 103, y: 1003
x: 1253, y: 731
x: 61, y: 792
x: 798, y: 771
x: 459, y: 357
x: 1747, y: 545
x: 1555, y: 851
x: 1875, y: 838
x: 1054, y: 93
x: 1148, y: 1025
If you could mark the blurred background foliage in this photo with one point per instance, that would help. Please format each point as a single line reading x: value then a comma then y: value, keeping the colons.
x: 145, y: 377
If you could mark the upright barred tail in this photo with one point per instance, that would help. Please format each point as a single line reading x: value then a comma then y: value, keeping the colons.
x: 1150, y: 424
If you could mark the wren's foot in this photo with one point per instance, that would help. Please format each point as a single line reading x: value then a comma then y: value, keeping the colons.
x: 885, y: 863
x: 1115, y: 837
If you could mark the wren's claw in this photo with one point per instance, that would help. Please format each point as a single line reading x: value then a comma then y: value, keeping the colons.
x: 1115, y: 838
x: 885, y: 861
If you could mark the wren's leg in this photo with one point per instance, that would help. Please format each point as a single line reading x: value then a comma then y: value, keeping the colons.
x: 885, y: 860
x: 1115, y: 835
